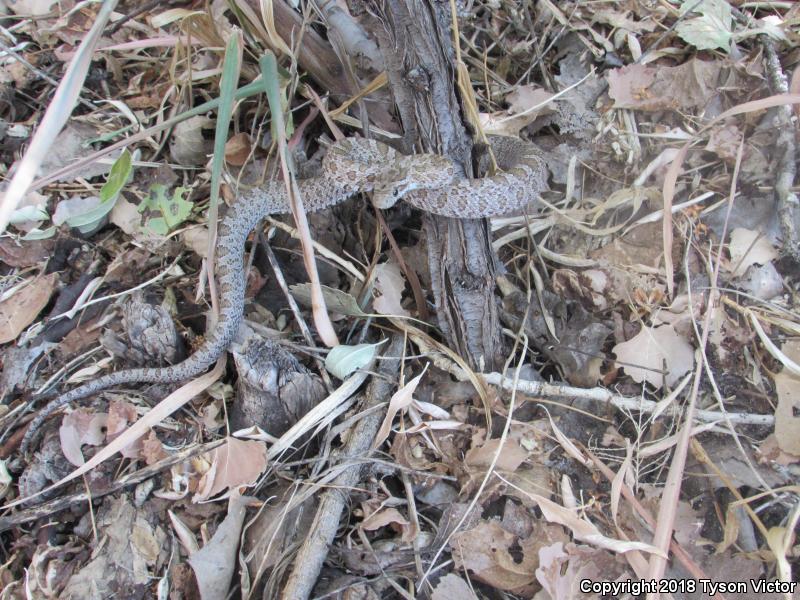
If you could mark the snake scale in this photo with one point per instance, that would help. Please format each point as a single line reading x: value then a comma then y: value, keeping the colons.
x: 429, y: 182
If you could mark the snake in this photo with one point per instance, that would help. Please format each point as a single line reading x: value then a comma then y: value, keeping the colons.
x: 429, y: 182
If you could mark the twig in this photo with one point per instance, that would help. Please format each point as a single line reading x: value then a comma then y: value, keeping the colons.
x: 676, y: 549
x: 298, y: 315
x: 535, y: 388
x: 57, y: 504
x: 788, y: 203
x: 310, y: 557
x: 39, y: 73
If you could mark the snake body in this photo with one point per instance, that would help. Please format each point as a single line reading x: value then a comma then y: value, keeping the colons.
x: 428, y: 182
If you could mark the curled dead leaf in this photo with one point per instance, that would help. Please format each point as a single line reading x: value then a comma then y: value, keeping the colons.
x: 24, y: 305
x: 236, y: 463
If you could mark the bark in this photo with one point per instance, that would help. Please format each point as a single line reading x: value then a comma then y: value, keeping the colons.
x: 318, y: 58
x: 416, y: 41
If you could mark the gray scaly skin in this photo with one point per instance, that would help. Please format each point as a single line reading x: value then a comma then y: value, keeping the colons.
x: 428, y: 182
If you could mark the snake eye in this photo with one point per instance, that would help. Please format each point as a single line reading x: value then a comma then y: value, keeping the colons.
x: 396, y: 192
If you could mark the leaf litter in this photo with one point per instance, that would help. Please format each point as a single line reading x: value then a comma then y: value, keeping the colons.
x: 605, y: 293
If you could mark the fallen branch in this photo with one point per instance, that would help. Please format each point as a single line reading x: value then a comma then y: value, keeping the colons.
x: 309, y: 560
x: 535, y: 388
x: 58, y: 504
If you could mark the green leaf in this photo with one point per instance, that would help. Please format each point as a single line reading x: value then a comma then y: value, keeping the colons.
x: 157, y: 225
x: 276, y: 81
x: 174, y: 209
x: 28, y: 213
x: 336, y: 301
x: 711, y: 30
x: 118, y: 176
x: 344, y: 360
x: 39, y: 234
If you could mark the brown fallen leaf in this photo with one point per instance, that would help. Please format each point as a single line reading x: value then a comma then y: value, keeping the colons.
x: 787, y: 388
x: 497, y: 557
x: 236, y: 463
x: 749, y: 247
x: 563, y: 568
x: 525, y: 97
x: 120, y: 415
x: 81, y: 426
x: 213, y: 565
x: 237, y: 149
x: 25, y: 254
x: 653, y: 349
x: 769, y: 451
x: 389, y: 283
x: 511, y: 456
x: 20, y: 310
x: 377, y: 516
x: 690, y: 85
x: 401, y: 400
x: 452, y: 586
x: 152, y: 449
x: 584, y: 530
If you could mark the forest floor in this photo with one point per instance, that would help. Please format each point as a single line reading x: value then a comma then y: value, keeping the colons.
x: 641, y: 422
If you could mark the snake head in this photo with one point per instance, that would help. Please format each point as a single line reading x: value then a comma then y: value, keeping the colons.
x: 417, y: 172
x: 386, y: 194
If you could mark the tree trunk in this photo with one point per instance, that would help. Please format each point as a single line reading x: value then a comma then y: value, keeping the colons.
x: 415, y: 38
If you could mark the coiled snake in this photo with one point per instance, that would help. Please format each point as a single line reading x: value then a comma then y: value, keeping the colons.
x: 429, y: 182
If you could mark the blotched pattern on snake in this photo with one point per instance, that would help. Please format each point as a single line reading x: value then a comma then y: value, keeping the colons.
x: 429, y: 182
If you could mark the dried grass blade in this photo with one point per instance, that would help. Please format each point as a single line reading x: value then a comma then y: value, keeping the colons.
x: 269, y: 70
x: 152, y: 418
x: 55, y: 117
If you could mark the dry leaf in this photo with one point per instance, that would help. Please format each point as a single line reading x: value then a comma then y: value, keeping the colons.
x: 213, y: 565
x: 382, y: 518
x: 452, y: 586
x: 237, y: 149
x: 188, y: 146
x: 120, y: 415
x: 787, y: 388
x: 390, y: 284
x: 748, y: 247
x: 690, y: 85
x: 650, y: 351
x: 511, y: 456
x: 526, y: 104
x: 496, y: 557
x: 724, y: 141
x: 236, y: 463
x: 584, y: 530
x: 79, y: 427
x: 185, y: 535
x: 524, y: 97
x: 401, y: 399
x: 25, y: 254
x: 126, y: 216
x: 562, y: 569
x: 31, y: 8
x: 769, y: 451
x: 152, y: 449
x: 196, y: 238
x: 19, y: 310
